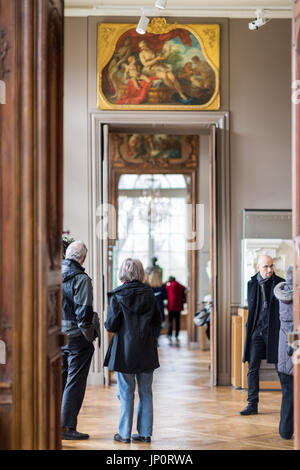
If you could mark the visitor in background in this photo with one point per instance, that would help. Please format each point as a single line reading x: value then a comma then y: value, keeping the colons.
x: 176, y: 299
x: 159, y: 289
x: 284, y: 293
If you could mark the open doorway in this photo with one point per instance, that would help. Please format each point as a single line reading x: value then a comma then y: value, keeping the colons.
x: 155, y: 194
x: 108, y: 133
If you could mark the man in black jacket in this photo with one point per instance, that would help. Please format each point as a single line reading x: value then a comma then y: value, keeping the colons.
x: 263, y: 326
x: 77, y: 324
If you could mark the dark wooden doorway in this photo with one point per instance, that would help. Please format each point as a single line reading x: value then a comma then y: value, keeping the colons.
x: 31, y: 157
x: 296, y: 211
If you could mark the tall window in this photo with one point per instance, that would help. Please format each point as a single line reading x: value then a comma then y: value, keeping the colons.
x: 152, y: 221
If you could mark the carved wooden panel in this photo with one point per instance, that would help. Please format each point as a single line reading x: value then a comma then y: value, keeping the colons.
x: 31, y: 63
x: 7, y: 229
x: 54, y: 129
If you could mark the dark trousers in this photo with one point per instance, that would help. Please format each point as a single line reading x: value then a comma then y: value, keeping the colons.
x: 286, y: 425
x: 76, y: 361
x: 174, y: 316
x: 258, y: 348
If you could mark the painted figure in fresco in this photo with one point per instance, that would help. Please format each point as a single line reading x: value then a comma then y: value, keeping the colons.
x: 133, y: 72
x: 187, y: 73
x: 119, y: 58
x: 155, y: 65
x: 202, y: 70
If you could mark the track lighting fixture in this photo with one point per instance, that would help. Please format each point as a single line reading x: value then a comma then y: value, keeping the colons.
x: 260, y: 19
x: 161, y: 4
x: 142, y: 25
x: 144, y: 20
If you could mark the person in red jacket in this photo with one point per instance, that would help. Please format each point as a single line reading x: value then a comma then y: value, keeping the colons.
x: 176, y: 299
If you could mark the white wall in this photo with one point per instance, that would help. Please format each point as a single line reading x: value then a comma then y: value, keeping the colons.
x: 76, y: 130
x: 260, y: 120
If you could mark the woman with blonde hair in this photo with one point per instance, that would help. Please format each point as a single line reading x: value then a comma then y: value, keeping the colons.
x: 132, y: 316
x: 154, y: 278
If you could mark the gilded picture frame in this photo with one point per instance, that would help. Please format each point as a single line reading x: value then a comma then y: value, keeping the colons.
x: 171, y: 67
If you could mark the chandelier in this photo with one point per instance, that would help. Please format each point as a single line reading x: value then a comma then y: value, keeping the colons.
x: 153, y: 207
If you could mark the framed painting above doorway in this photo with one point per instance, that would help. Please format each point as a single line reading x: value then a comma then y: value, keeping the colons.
x: 171, y: 67
x: 152, y: 151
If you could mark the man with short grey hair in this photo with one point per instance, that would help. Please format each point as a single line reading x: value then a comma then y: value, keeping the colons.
x: 76, y: 251
x: 78, y: 325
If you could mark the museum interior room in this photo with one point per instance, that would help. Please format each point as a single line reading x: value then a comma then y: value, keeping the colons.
x: 157, y: 131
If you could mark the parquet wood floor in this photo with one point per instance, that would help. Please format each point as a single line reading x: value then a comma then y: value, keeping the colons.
x: 189, y: 414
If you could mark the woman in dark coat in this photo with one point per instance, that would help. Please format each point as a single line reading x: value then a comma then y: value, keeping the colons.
x: 154, y: 279
x: 133, y: 315
x: 284, y: 293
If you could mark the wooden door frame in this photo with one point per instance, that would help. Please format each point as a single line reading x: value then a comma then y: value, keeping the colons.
x: 192, y: 123
x: 296, y: 207
x: 31, y: 223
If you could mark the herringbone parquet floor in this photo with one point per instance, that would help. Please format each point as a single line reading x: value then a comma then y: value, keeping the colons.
x: 189, y: 413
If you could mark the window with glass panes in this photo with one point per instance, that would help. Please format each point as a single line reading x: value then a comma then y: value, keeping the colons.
x: 161, y: 231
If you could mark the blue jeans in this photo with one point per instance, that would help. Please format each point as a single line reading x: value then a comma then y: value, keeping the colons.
x: 126, y: 388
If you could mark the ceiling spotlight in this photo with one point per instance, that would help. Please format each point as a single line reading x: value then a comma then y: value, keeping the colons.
x: 143, y: 23
x: 161, y: 4
x: 260, y: 19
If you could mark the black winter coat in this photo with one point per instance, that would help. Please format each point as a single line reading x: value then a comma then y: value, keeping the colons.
x: 77, y: 301
x: 274, y: 322
x: 132, y: 315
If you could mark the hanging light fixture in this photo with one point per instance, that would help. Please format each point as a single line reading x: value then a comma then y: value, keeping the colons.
x: 153, y: 208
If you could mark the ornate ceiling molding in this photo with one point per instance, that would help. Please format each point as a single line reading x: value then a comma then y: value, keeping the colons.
x: 175, y: 8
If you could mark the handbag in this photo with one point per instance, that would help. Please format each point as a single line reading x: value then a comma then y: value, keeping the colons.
x: 202, y: 317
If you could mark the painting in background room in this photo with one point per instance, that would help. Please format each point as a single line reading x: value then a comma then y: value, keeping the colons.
x: 170, y: 67
x: 154, y: 150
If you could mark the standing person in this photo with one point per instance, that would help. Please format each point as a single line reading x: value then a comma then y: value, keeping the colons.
x: 284, y: 293
x: 176, y: 299
x: 132, y: 315
x: 159, y: 289
x: 262, y: 334
x: 78, y: 325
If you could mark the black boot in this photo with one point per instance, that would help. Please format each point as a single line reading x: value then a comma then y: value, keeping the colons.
x: 70, y: 434
x: 249, y: 410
